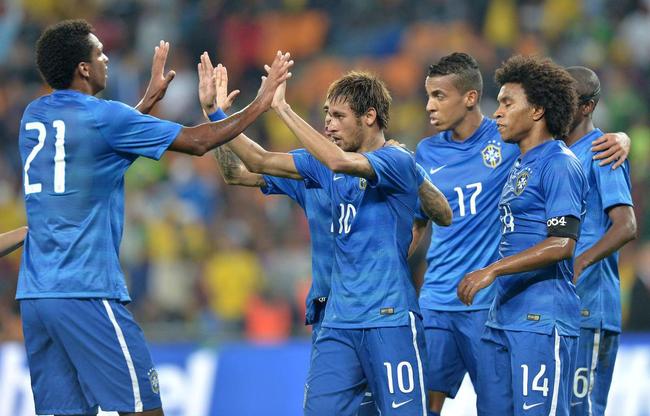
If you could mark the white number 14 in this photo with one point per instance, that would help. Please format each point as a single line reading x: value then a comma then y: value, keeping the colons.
x: 59, y: 156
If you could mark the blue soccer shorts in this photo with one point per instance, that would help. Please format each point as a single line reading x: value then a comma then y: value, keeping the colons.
x: 388, y: 361
x: 525, y: 373
x: 597, y: 350
x: 367, y: 406
x: 453, y: 339
x: 85, y: 353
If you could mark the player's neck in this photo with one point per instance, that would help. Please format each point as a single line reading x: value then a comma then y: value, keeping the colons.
x: 583, y: 128
x: 468, y: 126
x: 537, y: 135
x: 373, y: 142
x: 82, y: 86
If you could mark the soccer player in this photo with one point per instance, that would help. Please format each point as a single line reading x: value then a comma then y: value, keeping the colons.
x: 83, y: 346
x: 12, y: 240
x: 371, y: 334
x: 469, y: 161
x: 314, y: 201
x: 528, y: 349
x: 608, y: 225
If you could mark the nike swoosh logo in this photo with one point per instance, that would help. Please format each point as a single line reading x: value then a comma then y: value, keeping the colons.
x: 336, y: 178
x: 397, y: 405
x: 530, y: 406
x: 432, y: 171
x: 575, y: 403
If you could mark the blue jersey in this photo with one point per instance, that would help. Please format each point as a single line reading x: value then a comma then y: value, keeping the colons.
x: 599, y: 285
x: 547, y: 182
x: 471, y: 174
x: 315, y: 202
x: 75, y: 149
x: 371, y: 222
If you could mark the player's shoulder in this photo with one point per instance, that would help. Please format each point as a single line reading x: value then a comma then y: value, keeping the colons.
x: 429, y: 142
x: 559, y: 159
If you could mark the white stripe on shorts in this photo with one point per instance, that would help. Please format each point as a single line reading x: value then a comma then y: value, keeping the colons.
x: 414, y: 331
x: 592, y: 369
x: 127, y: 356
x: 558, y: 371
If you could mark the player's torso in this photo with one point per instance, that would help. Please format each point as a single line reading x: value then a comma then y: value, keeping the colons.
x: 371, y: 283
x: 73, y: 197
x: 599, y: 284
x: 543, y: 298
x: 471, y: 175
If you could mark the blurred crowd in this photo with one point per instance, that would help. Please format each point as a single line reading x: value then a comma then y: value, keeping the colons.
x: 205, y: 261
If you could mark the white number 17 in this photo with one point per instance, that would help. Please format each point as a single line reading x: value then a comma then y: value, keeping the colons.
x: 59, y: 156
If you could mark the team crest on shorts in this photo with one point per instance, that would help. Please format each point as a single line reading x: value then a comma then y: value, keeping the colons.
x: 363, y: 183
x: 492, y: 154
x: 521, y: 182
x: 153, y: 380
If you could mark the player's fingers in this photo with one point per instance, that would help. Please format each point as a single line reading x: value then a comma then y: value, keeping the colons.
x: 604, y: 146
x: 609, y: 160
x: 233, y: 95
x: 170, y: 76
x: 606, y: 153
x: 267, y: 69
x: 599, y: 140
x: 619, y: 162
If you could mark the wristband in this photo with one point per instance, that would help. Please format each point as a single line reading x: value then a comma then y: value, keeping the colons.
x: 217, y: 115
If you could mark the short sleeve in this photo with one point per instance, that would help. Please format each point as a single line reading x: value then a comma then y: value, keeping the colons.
x: 129, y: 131
x: 564, y: 186
x: 314, y: 173
x: 614, y: 186
x: 394, y: 169
x: 293, y: 188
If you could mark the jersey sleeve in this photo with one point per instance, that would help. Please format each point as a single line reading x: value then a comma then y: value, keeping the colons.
x: 394, y: 169
x: 314, y: 173
x: 129, y: 131
x: 293, y: 188
x: 614, y: 186
x: 564, y: 186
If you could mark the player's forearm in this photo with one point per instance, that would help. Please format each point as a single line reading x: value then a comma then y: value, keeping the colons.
x: 324, y: 150
x: 198, y: 140
x: 260, y: 161
x: 419, y: 228
x: 622, y: 231
x: 434, y: 204
x: 146, y: 104
x: 12, y: 240
x: 233, y: 170
x: 545, y: 253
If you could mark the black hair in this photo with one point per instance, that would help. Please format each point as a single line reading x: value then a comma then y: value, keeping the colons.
x: 60, y: 49
x: 464, y: 67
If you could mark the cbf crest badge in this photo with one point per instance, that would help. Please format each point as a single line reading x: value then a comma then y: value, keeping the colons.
x: 492, y: 154
x: 521, y: 182
x: 153, y: 380
x: 363, y: 183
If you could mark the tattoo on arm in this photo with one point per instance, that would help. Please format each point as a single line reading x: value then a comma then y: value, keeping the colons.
x: 434, y: 204
x: 233, y: 170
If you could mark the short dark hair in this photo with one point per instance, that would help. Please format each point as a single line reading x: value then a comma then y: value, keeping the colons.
x: 362, y: 91
x: 464, y: 67
x: 60, y: 49
x: 587, y: 84
x: 547, y: 85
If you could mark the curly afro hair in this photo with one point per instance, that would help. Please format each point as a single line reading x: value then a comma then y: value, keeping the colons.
x: 547, y: 85
x: 464, y: 67
x: 60, y: 49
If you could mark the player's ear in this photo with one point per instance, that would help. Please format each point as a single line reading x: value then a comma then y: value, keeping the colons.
x: 538, y: 113
x: 84, y: 69
x: 370, y: 117
x: 471, y: 98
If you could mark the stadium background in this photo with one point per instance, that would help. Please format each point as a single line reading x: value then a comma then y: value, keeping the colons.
x: 218, y: 274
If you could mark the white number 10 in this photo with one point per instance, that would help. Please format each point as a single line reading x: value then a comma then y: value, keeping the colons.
x: 59, y: 156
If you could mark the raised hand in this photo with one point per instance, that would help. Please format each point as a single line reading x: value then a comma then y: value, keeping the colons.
x: 224, y: 100
x: 277, y: 73
x: 207, y: 85
x: 159, y: 81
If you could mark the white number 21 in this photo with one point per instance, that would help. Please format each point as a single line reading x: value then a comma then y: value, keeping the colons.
x: 59, y: 156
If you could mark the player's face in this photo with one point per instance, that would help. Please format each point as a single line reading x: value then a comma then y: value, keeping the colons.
x: 342, y: 126
x: 514, y: 116
x: 445, y: 104
x: 98, y: 70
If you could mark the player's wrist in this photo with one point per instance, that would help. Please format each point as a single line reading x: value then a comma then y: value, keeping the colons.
x: 216, y: 114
